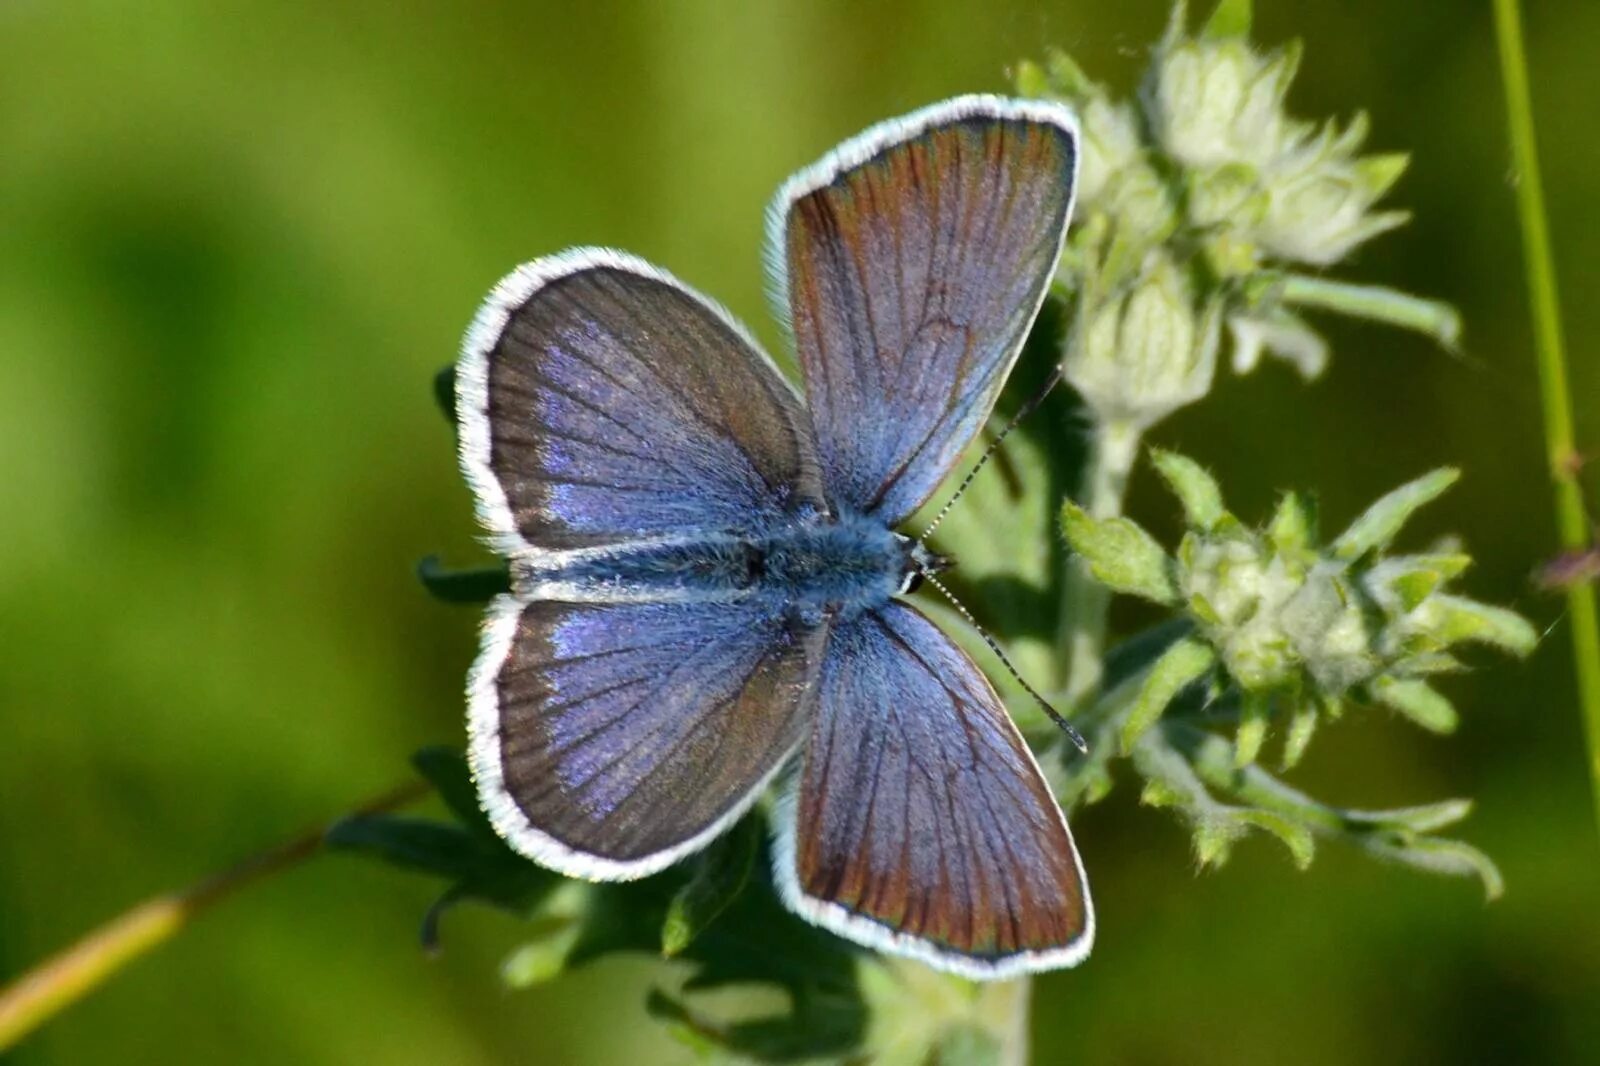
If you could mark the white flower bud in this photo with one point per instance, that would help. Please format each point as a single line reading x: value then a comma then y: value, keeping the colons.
x: 1141, y: 352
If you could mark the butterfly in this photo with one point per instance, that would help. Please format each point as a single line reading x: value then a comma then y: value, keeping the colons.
x: 707, y: 584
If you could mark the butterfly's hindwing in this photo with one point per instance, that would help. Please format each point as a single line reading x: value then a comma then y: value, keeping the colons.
x: 608, y: 740
x: 920, y: 822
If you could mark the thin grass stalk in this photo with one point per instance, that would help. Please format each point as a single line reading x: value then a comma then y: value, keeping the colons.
x: 68, y: 976
x: 1572, y: 522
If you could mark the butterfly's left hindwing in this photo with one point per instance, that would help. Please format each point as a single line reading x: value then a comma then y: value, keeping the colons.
x: 920, y: 822
x: 609, y: 740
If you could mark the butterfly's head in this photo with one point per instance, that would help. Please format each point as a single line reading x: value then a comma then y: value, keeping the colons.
x: 920, y: 561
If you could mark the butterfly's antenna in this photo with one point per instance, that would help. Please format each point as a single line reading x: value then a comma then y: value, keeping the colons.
x: 1023, y: 412
x: 994, y: 646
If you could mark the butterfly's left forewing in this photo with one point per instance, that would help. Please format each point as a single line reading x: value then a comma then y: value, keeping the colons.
x: 919, y: 821
x: 602, y: 401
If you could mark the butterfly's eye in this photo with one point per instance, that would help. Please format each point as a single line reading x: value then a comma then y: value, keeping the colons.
x: 913, y: 581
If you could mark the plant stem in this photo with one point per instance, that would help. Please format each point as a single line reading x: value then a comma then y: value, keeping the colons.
x: 1085, y: 602
x: 1006, y: 1002
x: 1571, y: 520
x: 62, y: 980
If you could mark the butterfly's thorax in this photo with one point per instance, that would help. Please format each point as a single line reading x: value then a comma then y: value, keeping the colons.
x: 814, y: 564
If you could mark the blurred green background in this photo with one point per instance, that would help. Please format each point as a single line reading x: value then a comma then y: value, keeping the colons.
x: 237, y: 240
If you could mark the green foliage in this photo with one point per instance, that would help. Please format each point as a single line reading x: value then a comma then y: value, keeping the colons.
x: 1287, y: 629
x: 720, y: 915
x: 1206, y: 180
x: 1200, y: 201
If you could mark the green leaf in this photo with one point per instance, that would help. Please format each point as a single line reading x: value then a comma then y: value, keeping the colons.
x: 1214, y: 839
x: 1455, y: 620
x: 413, y: 843
x: 444, y: 392
x: 1196, y: 489
x: 1230, y: 19
x: 1302, y: 724
x: 1375, y: 303
x: 477, y: 585
x: 1427, y: 818
x: 542, y: 957
x: 1120, y: 555
x: 1378, y: 525
x: 1255, y: 710
x: 1450, y: 857
x: 1179, y: 666
x: 1031, y: 80
x: 446, y: 770
x: 720, y: 874
x: 1293, y: 529
x: 1068, y: 77
x: 1418, y: 701
x: 1296, y: 837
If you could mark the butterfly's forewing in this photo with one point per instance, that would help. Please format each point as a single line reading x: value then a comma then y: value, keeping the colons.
x: 600, y: 400
x: 920, y: 822
x: 910, y: 264
x: 608, y: 740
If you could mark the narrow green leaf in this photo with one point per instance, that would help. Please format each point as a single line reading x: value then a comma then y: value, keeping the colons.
x: 1230, y: 19
x: 1451, y: 857
x: 1418, y: 701
x: 1158, y: 793
x: 444, y: 392
x: 1065, y: 74
x: 413, y: 843
x: 720, y: 874
x: 543, y: 957
x: 1031, y: 80
x: 1457, y: 620
x: 1375, y: 303
x: 1255, y: 710
x: 1296, y: 837
x: 1302, y: 724
x: 476, y: 585
x: 1380, y: 172
x: 1196, y: 489
x: 1214, y: 839
x: 1427, y: 818
x: 1120, y: 555
x: 1293, y: 528
x: 1380, y: 522
x: 1180, y: 665
x: 446, y: 770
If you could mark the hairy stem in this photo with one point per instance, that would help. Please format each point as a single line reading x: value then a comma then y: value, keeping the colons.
x: 1571, y: 520
x: 62, y: 980
x: 1085, y: 602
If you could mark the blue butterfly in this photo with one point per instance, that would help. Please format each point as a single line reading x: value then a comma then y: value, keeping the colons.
x: 705, y: 568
